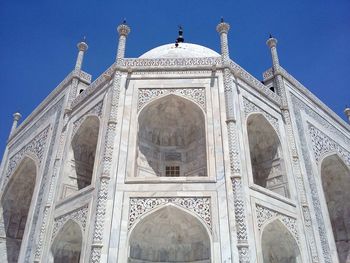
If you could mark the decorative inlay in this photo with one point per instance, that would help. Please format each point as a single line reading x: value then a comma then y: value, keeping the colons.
x: 142, y: 205
x: 79, y: 215
x: 250, y: 107
x: 195, y: 94
x: 35, y: 147
x: 242, y: 234
x: 169, y: 62
x: 265, y: 214
x: 323, y: 145
x: 95, y: 110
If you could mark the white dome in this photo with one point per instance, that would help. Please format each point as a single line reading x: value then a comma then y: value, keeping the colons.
x: 184, y: 50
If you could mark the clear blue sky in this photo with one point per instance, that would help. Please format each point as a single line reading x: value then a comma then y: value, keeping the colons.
x: 38, y: 41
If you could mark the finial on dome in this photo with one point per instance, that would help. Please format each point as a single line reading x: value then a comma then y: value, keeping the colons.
x: 222, y: 20
x: 180, y: 38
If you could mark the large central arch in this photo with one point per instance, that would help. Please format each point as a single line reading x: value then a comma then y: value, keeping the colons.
x: 169, y: 235
x: 171, y: 139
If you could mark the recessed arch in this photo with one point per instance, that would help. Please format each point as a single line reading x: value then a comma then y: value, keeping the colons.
x: 67, y: 244
x: 81, y: 154
x: 171, y: 138
x: 335, y: 177
x: 266, y: 155
x: 278, y: 245
x: 169, y: 234
x: 15, y: 203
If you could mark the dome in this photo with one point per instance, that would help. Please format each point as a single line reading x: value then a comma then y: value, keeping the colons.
x: 184, y: 50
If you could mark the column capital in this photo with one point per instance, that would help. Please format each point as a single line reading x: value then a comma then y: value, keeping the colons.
x: 82, y: 46
x: 17, y: 116
x: 271, y: 42
x: 123, y: 30
x: 223, y: 27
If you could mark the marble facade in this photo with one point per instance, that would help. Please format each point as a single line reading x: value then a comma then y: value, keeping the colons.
x: 179, y: 155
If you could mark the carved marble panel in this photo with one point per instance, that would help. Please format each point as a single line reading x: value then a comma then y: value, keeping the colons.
x: 322, y: 145
x: 250, y: 107
x: 265, y: 214
x: 35, y: 147
x: 195, y: 94
x: 198, y: 205
x: 79, y: 215
x: 95, y: 110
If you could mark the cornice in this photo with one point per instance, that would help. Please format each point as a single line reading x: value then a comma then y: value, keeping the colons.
x: 308, y: 94
x: 81, y: 75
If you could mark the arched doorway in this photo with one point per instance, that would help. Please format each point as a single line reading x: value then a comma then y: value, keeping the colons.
x: 266, y: 155
x: 66, y: 247
x: 81, y: 157
x: 173, y: 143
x: 278, y: 245
x: 15, y: 204
x: 169, y: 235
x: 336, y: 184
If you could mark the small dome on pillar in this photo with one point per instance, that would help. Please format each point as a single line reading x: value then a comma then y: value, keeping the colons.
x: 347, y: 112
x: 82, y: 45
x: 123, y: 29
x: 17, y: 116
x: 271, y: 42
x: 223, y: 27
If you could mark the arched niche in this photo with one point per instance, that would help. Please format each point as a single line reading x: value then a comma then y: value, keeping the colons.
x: 171, y: 139
x: 169, y: 235
x: 15, y: 204
x: 336, y: 184
x: 81, y: 156
x: 278, y: 244
x: 66, y: 247
x: 266, y: 155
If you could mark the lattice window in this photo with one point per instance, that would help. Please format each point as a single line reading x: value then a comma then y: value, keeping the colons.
x: 172, y: 171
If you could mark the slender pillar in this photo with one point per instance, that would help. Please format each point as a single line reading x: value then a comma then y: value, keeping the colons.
x: 296, y: 166
x: 16, y: 117
x: 223, y: 29
x: 123, y: 31
x: 236, y: 191
x: 347, y: 113
x: 82, y: 47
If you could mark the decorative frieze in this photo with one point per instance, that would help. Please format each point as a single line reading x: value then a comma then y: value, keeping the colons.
x: 322, y: 145
x: 250, y: 107
x: 265, y: 214
x: 95, y: 110
x: 79, y: 215
x: 195, y: 94
x: 169, y: 62
x: 198, y: 205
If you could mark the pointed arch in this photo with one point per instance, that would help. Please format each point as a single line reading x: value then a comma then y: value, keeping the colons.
x: 266, y: 155
x: 169, y: 234
x: 278, y: 245
x: 67, y: 245
x: 174, y: 142
x: 335, y: 177
x: 15, y: 203
x: 81, y: 156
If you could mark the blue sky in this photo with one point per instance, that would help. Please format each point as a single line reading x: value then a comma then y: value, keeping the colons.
x: 38, y: 41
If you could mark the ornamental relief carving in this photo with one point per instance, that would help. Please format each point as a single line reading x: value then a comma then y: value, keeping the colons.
x: 322, y: 145
x: 79, y: 215
x: 95, y: 110
x: 250, y: 107
x: 141, y: 205
x: 36, y: 147
x: 146, y: 95
x: 265, y: 214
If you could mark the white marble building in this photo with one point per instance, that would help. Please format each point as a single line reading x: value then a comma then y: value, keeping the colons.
x: 179, y: 155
